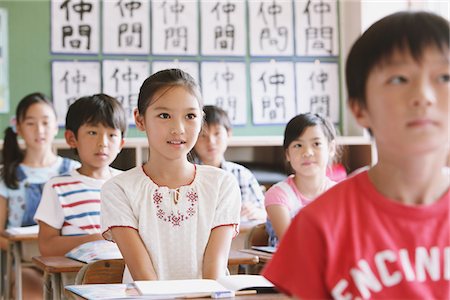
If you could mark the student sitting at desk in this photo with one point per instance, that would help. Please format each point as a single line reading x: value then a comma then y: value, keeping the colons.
x: 384, y: 233
x: 69, y: 212
x: 170, y: 218
x: 25, y: 172
x: 309, y: 145
x: 210, y: 149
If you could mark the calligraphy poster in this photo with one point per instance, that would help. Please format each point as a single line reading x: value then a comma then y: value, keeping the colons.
x: 187, y: 66
x: 273, y: 92
x: 4, y: 78
x: 72, y: 80
x: 224, y: 85
x: 126, y: 27
x: 75, y: 26
x: 174, y: 27
x: 318, y: 89
x: 223, y: 30
x: 271, y: 28
x: 122, y: 79
x: 316, y: 28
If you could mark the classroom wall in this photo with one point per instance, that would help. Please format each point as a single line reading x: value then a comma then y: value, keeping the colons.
x: 29, y: 51
x: 30, y: 58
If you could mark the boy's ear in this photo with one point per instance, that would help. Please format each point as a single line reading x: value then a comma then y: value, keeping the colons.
x: 360, y: 113
x: 139, y: 120
x: 71, y: 139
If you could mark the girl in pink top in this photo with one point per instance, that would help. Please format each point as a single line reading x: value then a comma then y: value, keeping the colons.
x: 309, y: 145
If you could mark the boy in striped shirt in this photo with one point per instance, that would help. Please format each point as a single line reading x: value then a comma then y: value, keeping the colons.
x: 69, y: 212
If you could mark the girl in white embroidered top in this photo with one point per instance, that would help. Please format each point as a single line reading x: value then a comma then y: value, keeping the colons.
x: 170, y: 218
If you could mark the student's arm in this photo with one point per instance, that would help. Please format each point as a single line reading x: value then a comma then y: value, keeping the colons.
x: 51, y: 243
x: 3, y: 219
x: 280, y: 219
x: 215, y: 260
x: 134, y: 253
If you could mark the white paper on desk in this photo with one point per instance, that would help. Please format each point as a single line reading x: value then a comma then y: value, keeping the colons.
x: 174, y: 288
x: 106, y: 291
x: 34, y: 229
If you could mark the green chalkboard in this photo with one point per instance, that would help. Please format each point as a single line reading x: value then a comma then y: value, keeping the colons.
x: 30, y: 62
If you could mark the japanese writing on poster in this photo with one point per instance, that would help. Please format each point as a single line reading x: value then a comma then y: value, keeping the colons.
x: 318, y: 89
x: 126, y: 27
x: 72, y: 80
x: 224, y: 85
x: 4, y: 78
x: 271, y: 27
x: 187, y: 66
x: 223, y: 27
x: 273, y: 92
x: 316, y: 28
x: 174, y: 27
x: 122, y: 80
x: 75, y: 26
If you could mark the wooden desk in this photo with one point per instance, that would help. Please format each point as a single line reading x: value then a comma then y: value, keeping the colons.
x: 263, y: 256
x: 14, y: 255
x: 133, y: 292
x: 54, y: 266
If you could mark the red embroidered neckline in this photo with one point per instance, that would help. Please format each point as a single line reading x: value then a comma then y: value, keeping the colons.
x: 176, y: 218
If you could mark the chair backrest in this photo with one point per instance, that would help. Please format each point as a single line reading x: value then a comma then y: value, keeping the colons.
x: 101, y: 271
x: 258, y: 236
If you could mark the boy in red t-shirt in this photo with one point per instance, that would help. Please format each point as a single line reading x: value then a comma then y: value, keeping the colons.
x: 384, y: 233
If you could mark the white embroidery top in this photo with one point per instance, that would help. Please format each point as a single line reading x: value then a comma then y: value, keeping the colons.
x: 174, y: 224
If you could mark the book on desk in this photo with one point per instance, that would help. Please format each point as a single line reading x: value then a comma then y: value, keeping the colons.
x: 225, y: 286
x: 95, y: 250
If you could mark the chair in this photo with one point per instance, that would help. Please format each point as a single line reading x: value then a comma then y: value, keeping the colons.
x: 258, y: 236
x: 101, y: 271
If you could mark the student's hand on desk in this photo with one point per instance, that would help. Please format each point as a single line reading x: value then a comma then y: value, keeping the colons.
x: 249, y: 212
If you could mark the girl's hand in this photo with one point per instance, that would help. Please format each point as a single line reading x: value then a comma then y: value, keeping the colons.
x: 250, y: 212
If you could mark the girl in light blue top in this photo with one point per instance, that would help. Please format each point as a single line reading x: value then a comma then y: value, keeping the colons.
x: 25, y: 171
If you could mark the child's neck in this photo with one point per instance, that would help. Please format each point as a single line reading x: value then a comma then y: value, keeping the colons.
x: 311, y: 186
x: 97, y: 173
x: 39, y: 158
x: 411, y: 181
x: 172, y: 174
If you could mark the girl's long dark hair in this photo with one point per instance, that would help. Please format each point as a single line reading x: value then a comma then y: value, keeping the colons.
x: 12, y: 154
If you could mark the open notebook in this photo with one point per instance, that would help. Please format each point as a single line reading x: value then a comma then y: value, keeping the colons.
x: 179, y: 288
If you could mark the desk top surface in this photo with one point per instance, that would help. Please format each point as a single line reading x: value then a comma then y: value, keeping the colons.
x: 62, y: 264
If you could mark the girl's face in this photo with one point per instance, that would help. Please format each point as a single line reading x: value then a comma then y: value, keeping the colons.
x: 310, y: 153
x: 172, y: 123
x: 38, y: 127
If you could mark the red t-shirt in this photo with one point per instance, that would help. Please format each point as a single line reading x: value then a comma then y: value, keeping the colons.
x: 354, y: 242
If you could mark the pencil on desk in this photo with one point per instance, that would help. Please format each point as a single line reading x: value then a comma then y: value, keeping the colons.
x: 246, y: 292
x: 217, y: 295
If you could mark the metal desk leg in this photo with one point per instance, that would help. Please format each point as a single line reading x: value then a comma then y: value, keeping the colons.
x: 8, y: 272
x: 18, y: 270
x: 56, y: 286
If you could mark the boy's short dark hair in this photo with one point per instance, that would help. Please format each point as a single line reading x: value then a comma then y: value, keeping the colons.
x: 216, y: 115
x: 96, y: 109
x: 404, y: 31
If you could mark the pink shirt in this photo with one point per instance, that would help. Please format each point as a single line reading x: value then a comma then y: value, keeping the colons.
x: 354, y: 242
x: 276, y: 195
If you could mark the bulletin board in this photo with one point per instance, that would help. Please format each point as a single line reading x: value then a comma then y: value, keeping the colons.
x: 262, y: 61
